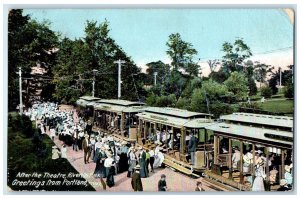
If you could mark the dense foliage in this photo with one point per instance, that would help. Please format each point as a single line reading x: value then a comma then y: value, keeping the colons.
x: 31, y: 152
x: 74, y: 65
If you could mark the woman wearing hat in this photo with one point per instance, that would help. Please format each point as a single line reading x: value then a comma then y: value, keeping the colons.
x: 100, y: 171
x: 132, y: 161
x: 258, y: 183
x: 288, y: 175
x: 136, y: 181
x: 109, y: 164
x: 123, y: 163
x: 143, y: 165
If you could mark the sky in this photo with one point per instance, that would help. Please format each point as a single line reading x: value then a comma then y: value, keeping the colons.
x: 143, y: 33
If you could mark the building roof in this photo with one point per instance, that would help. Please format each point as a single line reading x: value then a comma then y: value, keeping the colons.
x: 174, y: 121
x: 280, y: 121
x: 259, y: 135
x: 174, y: 112
x: 121, y: 102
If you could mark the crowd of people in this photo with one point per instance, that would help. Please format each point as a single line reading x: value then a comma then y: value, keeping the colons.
x: 111, y: 157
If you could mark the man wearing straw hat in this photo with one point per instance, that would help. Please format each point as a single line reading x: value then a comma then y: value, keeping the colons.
x: 136, y: 181
x: 283, y: 185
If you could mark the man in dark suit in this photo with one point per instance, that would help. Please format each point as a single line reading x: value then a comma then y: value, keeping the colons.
x: 86, y: 146
x: 136, y: 181
x: 192, y: 147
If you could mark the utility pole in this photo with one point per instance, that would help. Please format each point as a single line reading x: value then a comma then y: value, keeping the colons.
x: 119, y: 62
x: 155, y: 74
x: 93, y: 92
x: 20, y: 91
x: 279, y: 77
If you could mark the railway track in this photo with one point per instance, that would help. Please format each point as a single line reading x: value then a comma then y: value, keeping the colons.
x: 217, y: 185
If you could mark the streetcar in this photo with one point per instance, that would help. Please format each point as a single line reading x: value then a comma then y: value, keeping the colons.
x: 177, y: 125
x: 85, y: 106
x: 117, y: 116
x: 217, y: 140
x: 254, y: 135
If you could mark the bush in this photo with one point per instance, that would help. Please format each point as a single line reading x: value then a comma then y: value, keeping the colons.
x: 20, y: 123
x: 218, y: 108
x: 289, y: 90
x: 266, y: 92
x: 183, y: 103
x: 252, y: 105
x: 166, y: 101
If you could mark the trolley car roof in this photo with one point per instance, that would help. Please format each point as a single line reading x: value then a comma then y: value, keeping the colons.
x: 175, y: 112
x: 255, y: 134
x: 89, y: 98
x: 121, y: 102
x: 117, y: 108
x: 177, y: 122
x: 87, y: 101
x: 280, y: 121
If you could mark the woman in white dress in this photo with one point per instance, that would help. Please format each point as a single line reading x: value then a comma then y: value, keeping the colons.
x: 258, y: 183
x: 158, y: 158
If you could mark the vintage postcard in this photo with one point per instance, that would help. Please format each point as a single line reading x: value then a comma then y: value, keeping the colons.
x: 151, y: 100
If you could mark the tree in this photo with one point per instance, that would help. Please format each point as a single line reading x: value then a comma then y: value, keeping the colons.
x: 235, y: 54
x: 97, y: 50
x: 213, y: 65
x: 210, y: 93
x: 261, y: 71
x: 174, y: 83
x: 29, y: 44
x: 103, y: 51
x: 286, y: 76
x: 289, y: 90
x: 183, y: 103
x: 249, y: 73
x: 237, y: 84
x: 273, y: 82
x: 70, y: 70
x: 181, y: 54
x: 162, y: 70
x: 289, y: 84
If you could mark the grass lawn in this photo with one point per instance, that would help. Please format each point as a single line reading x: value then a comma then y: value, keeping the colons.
x: 279, y: 106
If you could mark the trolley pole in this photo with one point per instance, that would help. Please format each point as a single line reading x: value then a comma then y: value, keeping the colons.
x: 20, y: 91
x: 119, y: 62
